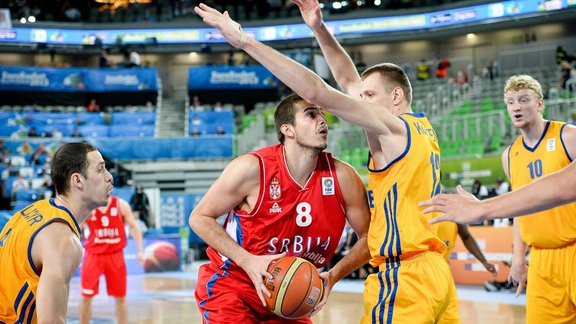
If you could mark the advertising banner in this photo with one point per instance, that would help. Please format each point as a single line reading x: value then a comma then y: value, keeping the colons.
x: 230, y: 77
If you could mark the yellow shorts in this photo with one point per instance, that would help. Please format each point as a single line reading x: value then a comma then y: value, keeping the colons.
x: 417, y: 290
x: 551, y: 289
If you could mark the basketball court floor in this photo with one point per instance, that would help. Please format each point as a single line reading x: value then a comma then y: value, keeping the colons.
x: 168, y: 298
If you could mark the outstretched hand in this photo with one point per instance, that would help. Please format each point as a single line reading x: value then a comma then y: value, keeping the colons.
x: 461, y: 208
x: 229, y: 29
x: 257, y: 269
x: 310, y: 11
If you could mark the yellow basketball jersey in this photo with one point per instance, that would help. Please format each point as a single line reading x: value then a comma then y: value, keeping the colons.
x: 19, y: 275
x: 398, y: 228
x: 551, y: 228
x: 447, y: 232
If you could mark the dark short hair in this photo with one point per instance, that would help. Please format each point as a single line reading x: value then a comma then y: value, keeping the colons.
x: 70, y: 158
x: 285, y: 113
x: 395, y: 75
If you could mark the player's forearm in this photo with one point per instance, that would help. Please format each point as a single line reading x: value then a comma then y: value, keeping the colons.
x: 519, y: 248
x: 216, y: 237
x: 339, y: 62
x: 550, y: 191
x: 137, y: 236
x: 472, y: 246
x: 358, y: 255
x: 296, y: 76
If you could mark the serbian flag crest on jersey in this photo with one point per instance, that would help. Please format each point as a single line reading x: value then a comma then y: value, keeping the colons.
x: 274, y: 189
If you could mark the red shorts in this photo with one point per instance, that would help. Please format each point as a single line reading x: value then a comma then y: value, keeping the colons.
x: 224, y: 298
x: 112, y: 265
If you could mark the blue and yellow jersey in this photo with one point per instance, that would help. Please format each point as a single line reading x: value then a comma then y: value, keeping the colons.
x: 551, y: 228
x: 19, y: 275
x: 447, y: 232
x: 398, y: 228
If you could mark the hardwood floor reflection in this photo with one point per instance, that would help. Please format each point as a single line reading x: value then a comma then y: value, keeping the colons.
x: 162, y: 299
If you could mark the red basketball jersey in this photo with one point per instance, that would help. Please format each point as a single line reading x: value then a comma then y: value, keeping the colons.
x: 107, y: 232
x: 301, y: 221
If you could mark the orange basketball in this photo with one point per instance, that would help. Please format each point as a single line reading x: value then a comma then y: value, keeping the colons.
x: 296, y: 287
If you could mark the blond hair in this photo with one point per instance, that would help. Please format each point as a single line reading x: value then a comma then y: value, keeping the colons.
x: 521, y: 82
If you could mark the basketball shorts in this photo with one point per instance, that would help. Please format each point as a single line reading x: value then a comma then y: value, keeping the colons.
x: 112, y: 265
x: 551, y: 288
x: 417, y: 290
x: 223, y: 297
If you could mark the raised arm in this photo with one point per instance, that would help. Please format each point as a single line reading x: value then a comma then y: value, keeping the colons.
x: 358, y: 216
x: 56, y: 252
x: 340, y: 63
x: 238, y: 184
x: 134, y: 228
x: 303, y: 81
x: 553, y: 190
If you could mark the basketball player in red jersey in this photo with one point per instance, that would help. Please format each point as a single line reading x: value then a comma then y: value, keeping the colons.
x: 40, y: 245
x: 103, y: 255
x: 287, y: 199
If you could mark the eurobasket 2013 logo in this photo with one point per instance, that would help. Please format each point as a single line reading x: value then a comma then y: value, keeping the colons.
x: 74, y: 80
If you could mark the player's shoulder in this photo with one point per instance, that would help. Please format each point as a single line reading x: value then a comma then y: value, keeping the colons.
x: 345, y: 171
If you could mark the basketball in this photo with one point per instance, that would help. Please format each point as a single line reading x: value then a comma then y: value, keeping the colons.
x: 161, y: 256
x: 295, y: 287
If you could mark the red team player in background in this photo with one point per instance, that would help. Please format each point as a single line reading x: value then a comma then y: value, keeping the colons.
x: 103, y: 255
x: 287, y: 199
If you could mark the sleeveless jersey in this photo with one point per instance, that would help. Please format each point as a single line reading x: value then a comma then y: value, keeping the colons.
x: 398, y: 228
x: 303, y: 221
x: 551, y: 228
x: 107, y: 234
x: 447, y: 232
x: 19, y: 277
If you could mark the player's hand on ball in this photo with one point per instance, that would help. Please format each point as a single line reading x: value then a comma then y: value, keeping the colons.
x: 256, y: 266
x: 328, y: 284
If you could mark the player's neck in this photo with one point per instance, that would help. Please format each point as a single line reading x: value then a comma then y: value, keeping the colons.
x: 300, y: 163
x: 78, y: 212
x: 533, y: 131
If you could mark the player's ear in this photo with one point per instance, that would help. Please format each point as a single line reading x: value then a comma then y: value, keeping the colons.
x: 77, y: 181
x: 287, y: 130
x: 397, y: 94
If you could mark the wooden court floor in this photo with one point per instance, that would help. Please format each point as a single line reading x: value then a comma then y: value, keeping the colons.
x: 162, y: 299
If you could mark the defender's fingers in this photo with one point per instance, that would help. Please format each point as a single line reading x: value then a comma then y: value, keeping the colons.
x: 438, y: 219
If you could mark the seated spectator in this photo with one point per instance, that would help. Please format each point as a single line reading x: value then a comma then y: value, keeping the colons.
x: 423, y: 71
x: 76, y: 132
x: 6, y: 172
x: 93, y: 106
x: 461, y: 79
x: 218, y: 106
x: 104, y: 60
x: 56, y: 133
x: 196, y: 132
x: 41, y: 155
x: 220, y: 131
x: 196, y: 120
x: 25, y: 149
x: 4, y: 151
x: 442, y: 70
x: 196, y: 104
x: 502, y: 186
x: 48, y: 186
x: 150, y: 106
x: 566, y: 73
x: 479, y: 190
x: 32, y: 132
x: 19, y: 184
